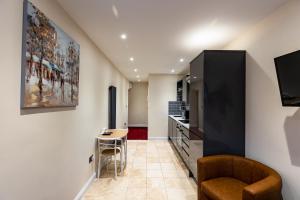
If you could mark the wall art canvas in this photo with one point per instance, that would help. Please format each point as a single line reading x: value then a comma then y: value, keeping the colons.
x: 50, y: 62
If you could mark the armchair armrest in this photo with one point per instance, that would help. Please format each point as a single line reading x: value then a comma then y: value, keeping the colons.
x: 267, y: 188
x: 214, y: 166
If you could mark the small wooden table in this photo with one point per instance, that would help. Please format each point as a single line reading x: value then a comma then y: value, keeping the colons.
x: 117, y: 134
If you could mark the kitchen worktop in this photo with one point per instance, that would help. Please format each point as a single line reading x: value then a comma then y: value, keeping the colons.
x: 180, y: 118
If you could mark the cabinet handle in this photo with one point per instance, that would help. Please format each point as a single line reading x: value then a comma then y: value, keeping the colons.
x: 185, y: 143
x: 185, y: 152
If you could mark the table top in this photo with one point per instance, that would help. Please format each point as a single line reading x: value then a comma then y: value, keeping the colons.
x: 116, y: 134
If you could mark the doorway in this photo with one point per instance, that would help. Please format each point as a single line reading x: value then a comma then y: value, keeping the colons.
x: 138, y: 111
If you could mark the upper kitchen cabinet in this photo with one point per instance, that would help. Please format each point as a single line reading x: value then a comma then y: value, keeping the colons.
x: 183, y: 87
x: 180, y: 90
x: 217, y: 103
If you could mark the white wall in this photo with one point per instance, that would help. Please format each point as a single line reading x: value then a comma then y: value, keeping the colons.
x: 272, y: 131
x: 138, y: 105
x: 162, y: 89
x: 44, y: 152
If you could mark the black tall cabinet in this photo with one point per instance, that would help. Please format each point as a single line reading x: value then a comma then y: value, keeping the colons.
x: 217, y: 104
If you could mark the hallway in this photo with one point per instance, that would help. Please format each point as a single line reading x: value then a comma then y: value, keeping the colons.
x: 154, y: 172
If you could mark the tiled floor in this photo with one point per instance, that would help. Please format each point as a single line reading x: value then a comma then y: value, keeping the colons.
x: 154, y: 172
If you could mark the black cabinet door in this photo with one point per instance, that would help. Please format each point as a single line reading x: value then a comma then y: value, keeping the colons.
x: 217, y: 102
x: 196, y: 95
x: 196, y: 100
x: 224, y: 102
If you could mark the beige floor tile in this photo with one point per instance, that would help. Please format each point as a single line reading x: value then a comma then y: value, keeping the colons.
x: 142, y: 155
x: 193, y: 183
x: 155, y: 183
x: 130, y: 159
x: 152, y: 151
x: 141, y: 159
x: 138, y: 165
x: 179, y: 169
x: 153, y: 166
x: 154, y: 173
x: 156, y: 194
x: 169, y: 166
x: 110, y: 196
x: 137, y: 183
x: 151, y: 148
x: 136, y: 194
x: 180, y: 183
x: 180, y: 194
x: 174, y: 174
x: 153, y: 160
x: 166, y: 159
x: 137, y: 173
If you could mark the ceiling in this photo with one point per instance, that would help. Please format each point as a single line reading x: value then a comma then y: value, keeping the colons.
x: 161, y: 32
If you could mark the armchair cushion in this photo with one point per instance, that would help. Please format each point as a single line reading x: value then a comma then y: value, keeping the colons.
x: 242, y: 170
x: 223, y: 188
x: 210, y: 168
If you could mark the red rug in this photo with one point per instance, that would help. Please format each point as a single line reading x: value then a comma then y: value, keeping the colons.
x: 137, y: 133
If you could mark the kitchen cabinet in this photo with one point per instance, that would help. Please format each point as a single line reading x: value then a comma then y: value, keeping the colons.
x: 183, y: 90
x: 180, y: 139
x: 196, y: 152
x: 185, y: 145
x: 217, y: 105
x: 170, y: 128
x: 179, y: 90
x: 174, y: 131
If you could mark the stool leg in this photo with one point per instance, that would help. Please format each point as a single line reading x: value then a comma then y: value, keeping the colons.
x: 108, y: 163
x: 121, y: 163
x: 116, y: 173
x: 99, y: 162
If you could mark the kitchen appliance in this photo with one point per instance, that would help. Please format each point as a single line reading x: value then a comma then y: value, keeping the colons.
x: 185, y: 112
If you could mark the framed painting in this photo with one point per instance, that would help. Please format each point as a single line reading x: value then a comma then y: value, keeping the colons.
x: 50, y: 62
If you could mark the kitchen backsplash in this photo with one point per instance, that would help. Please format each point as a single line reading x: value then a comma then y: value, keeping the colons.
x: 175, y: 107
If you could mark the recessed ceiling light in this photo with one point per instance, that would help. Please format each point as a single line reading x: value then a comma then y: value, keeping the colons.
x: 123, y: 36
x: 115, y: 11
x: 131, y: 59
x: 172, y: 70
x: 181, y: 60
x: 138, y: 76
x: 135, y: 70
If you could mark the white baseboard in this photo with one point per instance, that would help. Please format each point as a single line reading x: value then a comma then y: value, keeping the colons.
x: 157, y: 138
x: 85, y: 187
x: 138, y: 125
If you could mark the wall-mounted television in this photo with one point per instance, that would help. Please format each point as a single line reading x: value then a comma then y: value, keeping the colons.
x: 288, y: 75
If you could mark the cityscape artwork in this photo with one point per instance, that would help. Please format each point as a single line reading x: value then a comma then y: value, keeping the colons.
x: 50, y: 66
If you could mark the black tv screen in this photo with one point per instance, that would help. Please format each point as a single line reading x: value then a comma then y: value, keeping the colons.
x: 288, y: 74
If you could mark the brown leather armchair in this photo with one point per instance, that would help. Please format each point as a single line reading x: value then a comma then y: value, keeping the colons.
x: 226, y: 177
